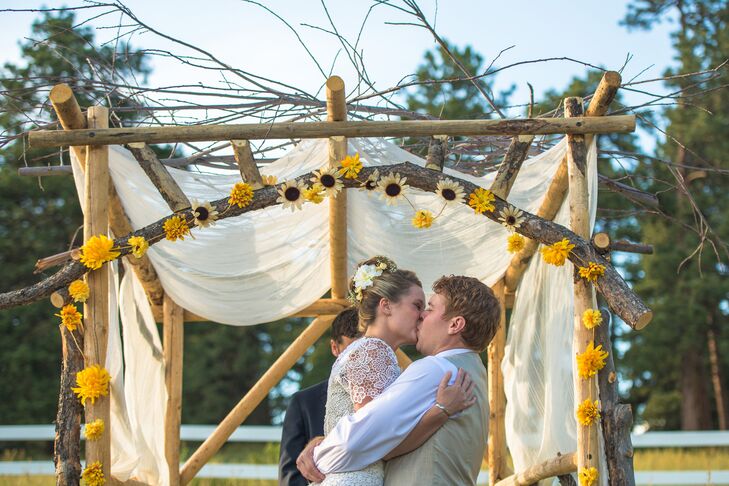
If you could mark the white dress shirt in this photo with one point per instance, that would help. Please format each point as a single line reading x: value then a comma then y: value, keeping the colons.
x: 374, y: 430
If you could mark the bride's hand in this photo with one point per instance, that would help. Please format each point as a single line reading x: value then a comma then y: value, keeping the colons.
x: 458, y: 396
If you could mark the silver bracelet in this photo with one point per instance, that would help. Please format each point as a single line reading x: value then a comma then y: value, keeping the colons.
x: 445, y: 410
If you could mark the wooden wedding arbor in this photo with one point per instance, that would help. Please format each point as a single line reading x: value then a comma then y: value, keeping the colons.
x: 89, y: 137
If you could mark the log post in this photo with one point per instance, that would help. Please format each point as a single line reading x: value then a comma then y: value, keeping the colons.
x: 337, y: 111
x: 160, y: 177
x: 173, y: 330
x: 585, y: 389
x: 67, y: 443
x: 246, y: 163
x: 96, y: 309
x: 496, y: 449
x: 69, y: 114
x: 560, y: 465
x: 437, y: 152
x: 255, y: 395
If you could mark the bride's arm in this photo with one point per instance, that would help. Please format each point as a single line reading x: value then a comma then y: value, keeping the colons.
x: 448, y: 401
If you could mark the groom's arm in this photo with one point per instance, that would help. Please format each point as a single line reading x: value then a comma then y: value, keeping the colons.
x: 372, y: 432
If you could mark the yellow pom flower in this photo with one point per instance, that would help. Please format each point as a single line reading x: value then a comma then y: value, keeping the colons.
x: 139, y: 245
x: 79, y: 291
x: 93, y: 382
x: 93, y: 430
x: 557, y: 253
x: 481, y: 200
x: 588, y: 412
x: 176, y: 228
x: 592, y: 271
x: 70, y: 317
x: 588, y: 476
x: 515, y: 243
x: 591, y: 361
x: 93, y: 475
x: 423, y: 219
x: 98, y: 250
x: 314, y: 194
x: 351, y: 166
x: 591, y: 318
x: 241, y: 194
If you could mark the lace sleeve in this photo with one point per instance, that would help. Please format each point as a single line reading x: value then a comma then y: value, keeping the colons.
x: 369, y: 370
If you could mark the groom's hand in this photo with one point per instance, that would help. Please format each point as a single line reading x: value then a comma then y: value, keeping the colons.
x: 305, y: 462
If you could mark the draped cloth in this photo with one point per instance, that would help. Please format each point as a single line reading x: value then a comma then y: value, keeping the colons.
x: 267, y: 264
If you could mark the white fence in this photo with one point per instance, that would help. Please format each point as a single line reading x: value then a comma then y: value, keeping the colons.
x: 198, y: 433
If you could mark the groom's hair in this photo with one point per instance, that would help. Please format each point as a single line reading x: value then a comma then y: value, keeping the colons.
x: 476, y: 303
x: 346, y: 324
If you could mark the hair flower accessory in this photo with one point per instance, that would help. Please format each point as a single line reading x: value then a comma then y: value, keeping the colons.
x: 365, y: 276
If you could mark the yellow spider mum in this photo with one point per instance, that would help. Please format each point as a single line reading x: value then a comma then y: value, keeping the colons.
x: 588, y: 476
x: 591, y: 318
x: 176, y: 228
x: 515, y: 243
x: 269, y: 180
x: 591, y: 361
x: 93, y: 475
x: 139, y: 245
x: 93, y: 430
x: 351, y: 166
x: 511, y: 217
x: 78, y: 290
x: 70, y: 317
x: 592, y: 271
x: 392, y: 188
x: 93, y: 382
x: 204, y: 213
x: 481, y: 200
x: 329, y: 180
x: 314, y: 194
x: 451, y: 191
x: 588, y: 412
x: 557, y: 253
x: 423, y: 219
x: 98, y: 250
x: 371, y: 183
x: 291, y: 195
x: 241, y: 195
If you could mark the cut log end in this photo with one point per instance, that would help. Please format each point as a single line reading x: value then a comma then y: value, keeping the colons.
x: 335, y: 84
x: 643, y: 320
x: 61, y: 93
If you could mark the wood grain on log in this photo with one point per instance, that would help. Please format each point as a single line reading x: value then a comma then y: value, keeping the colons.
x: 437, y: 153
x: 510, y: 165
x: 246, y: 163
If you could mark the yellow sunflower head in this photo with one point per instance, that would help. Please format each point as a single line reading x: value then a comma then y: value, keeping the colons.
x: 98, y: 250
x: 481, y: 200
x: 204, y: 213
x: 423, y: 219
x: 241, y: 195
x: 351, y: 166
x: 329, y: 180
x: 70, y: 317
x: 314, y: 194
x: 591, y: 361
x: 139, y: 245
x: 392, y: 188
x: 176, y: 228
x: 515, y: 243
x: 78, y: 290
x: 92, y: 382
x: 291, y: 194
x: 588, y: 412
x: 591, y: 318
x: 450, y: 191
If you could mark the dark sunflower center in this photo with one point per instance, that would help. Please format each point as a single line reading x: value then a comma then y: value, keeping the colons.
x: 292, y: 194
x: 449, y: 194
x: 328, y: 180
x: 370, y: 185
x: 202, y: 213
x: 393, y: 190
x: 510, y: 220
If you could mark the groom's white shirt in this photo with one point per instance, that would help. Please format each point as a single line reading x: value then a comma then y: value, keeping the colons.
x: 373, y: 431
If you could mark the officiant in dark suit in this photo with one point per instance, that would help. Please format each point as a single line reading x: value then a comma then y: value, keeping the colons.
x: 304, y: 417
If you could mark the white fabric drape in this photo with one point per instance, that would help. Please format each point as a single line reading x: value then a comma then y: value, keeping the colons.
x: 264, y: 265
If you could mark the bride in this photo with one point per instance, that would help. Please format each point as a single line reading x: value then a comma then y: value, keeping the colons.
x: 389, y: 302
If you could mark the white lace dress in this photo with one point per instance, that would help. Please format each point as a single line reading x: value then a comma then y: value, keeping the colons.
x: 364, y: 369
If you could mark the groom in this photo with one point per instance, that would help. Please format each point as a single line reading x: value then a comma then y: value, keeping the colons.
x: 461, y: 319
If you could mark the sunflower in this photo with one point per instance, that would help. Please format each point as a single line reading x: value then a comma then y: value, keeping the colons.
x: 98, y: 250
x: 511, y: 217
x: 423, y: 219
x: 176, y: 228
x: 481, y: 200
x: 591, y: 318
x: 241, y: 194
x: 329, y: 179
x: 93, y: 475
x: 392, y: 187
x: 139, y: 245
x: 93, y: 382
x: 591, y: 361
x: 291, y: 194
x: 78, y: 290
x: 93, y: 430
x: 314, y: 194
x: 557, y: 253
x: 451, y: 191
x: 588, y: 412
x: 370, y: 184
x: 269, y: 180
x: 588, y: 476
x: 204, y: 213
x: 515, y: 243
x: 70, y: 317
x: 592, y: 271
x: 351, y: 166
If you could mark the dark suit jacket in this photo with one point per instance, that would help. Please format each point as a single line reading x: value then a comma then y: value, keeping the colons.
x: 304, y: 420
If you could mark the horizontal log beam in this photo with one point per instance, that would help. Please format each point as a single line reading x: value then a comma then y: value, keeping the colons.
x: 349, y: 129
x: 563, y: 464
x: 621, y: 299
x: 321, y: 307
